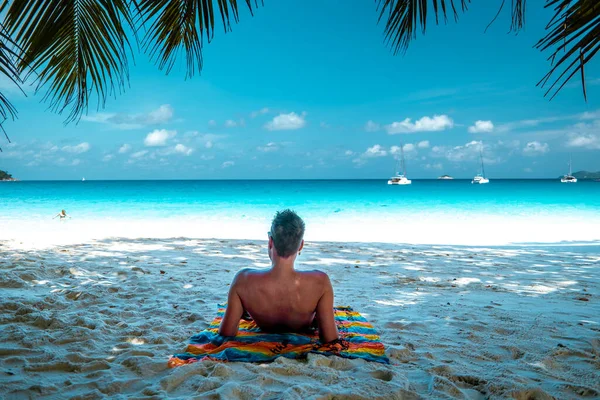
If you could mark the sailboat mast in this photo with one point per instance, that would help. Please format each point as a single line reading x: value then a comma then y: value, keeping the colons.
x: 570, y: 172
x: 402, y: 155
x: 481, y: 156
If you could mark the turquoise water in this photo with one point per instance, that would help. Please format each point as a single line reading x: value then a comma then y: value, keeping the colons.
x: 368, y: 204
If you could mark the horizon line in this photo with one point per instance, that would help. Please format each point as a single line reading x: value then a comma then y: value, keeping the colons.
x: 271, y: 179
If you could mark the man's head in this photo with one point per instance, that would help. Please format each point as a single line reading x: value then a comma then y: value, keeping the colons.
x: 287, y: 233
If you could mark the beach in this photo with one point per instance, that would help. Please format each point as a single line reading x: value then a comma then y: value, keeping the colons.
x: 100, y: 319
x: 446, y: 181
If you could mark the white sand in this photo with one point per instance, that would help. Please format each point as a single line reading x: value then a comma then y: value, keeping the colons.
x: 101, y: 319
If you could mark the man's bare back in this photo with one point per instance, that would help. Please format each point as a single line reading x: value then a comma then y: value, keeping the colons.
x: 281, y: 299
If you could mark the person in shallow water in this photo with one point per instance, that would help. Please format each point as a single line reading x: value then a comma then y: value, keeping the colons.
x: 62, y: 215
x: 281, y: 299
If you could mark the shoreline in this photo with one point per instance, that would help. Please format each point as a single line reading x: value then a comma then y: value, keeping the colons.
x: 429, y: 230
x: 592, y: 245
x: 101, y: 319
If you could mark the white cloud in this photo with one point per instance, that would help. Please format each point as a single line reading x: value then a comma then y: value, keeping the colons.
x: 75, y: 162
x: 268, y: 148
x: 372, y: 126
x: 180, y: 148
x: 124, y: 149
x: 139, y: 154
x: 108, y: 157
x: 531, y: 123
x: 349, y: 153
x: 535, y: 148
x: 230, y: 123
x: 262, y: 111
x: 78, y: 149
x: 161, y: 115
x: 407, y: 147
x: 159, y: 137
x: 482, y: 127
x: 467, y: 152
x: 227, y: 164
x: 208, y: 144
x: 375, y: 151
x: 585, y: 140
x: 425, y: 124
x: 527, y: 170
x: 286, y: 122
x: 371, y: 152
x: 424, y: 144
x: 590, y: 115
x: 212, y: 122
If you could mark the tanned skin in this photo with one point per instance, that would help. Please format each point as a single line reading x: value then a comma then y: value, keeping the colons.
x: 281, y: 299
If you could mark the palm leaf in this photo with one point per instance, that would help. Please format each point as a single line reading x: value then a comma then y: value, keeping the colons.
x: 8, y: 67
x: 574, y: 38
x: 181, y: 26
x: 404, y: 17
x: 73, y: 48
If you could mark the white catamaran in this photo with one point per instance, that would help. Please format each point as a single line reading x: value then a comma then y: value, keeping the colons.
x: 569, y: 178
x: 400, y: 178
x: 480, y: 178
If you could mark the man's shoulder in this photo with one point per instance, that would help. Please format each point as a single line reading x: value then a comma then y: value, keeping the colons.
x: 246, y: 272
x: 315, y: 274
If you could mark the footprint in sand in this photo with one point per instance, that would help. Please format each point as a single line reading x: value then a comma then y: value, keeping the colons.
x: 383, y: 374
x: 468, y: 380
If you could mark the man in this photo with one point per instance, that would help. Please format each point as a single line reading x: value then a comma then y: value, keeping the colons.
x: 281, y: 299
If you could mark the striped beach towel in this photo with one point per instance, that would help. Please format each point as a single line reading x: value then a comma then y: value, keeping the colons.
x: 358, y: 339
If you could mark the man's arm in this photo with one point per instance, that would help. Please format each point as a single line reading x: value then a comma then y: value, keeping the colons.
x: 233, y: 313
x: 327, y: 330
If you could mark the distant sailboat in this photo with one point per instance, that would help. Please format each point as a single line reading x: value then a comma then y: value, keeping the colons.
x: 400, y: 178
x: 569, y: 178
x: 82, y: 179
x: 480, y: 178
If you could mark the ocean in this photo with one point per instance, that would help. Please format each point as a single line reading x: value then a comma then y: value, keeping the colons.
x: 426, y: 212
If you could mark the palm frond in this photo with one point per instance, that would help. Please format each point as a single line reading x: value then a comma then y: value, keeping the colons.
x: 71, y: 47
x: 8, y: 67
x: 574, y: 38
x: 404, y: 17
x: 181, y: 25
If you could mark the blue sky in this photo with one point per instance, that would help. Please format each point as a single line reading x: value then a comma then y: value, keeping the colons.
x: 313, y: 92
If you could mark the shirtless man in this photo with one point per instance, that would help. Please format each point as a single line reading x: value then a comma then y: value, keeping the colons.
x: 281, y: 299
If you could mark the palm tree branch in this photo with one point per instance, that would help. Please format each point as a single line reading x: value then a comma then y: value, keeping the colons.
x: 405, y: 17
x: 9, y: 57
x: 181, y: 26
x: 574, y: 30
x: 74, y: 48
